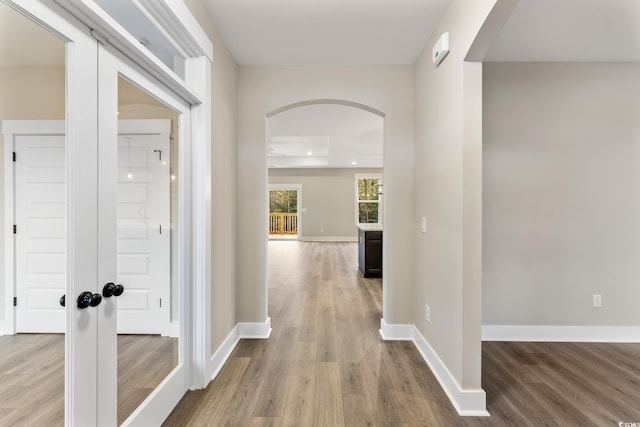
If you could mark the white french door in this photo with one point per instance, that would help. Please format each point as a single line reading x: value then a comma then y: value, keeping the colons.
x: 91, y: 226
x: 114, y: 167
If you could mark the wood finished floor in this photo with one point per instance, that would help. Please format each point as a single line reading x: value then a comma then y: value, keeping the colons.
x: 325, y: 365
x: 32, y: 375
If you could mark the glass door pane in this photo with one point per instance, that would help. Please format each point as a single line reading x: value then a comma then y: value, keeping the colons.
x: 148, y: 312
x: 49, y: 196
x: 32, y: 119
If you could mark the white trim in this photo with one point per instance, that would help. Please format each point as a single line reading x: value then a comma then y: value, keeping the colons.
x: 175, y: 20
x: 172, y: 330
x: 222, y: 354
x: 157, y: 406
x: 255, y: 330
x: 108, y: 31
x: 535, y: 333
x: 468, y: 403
x: 199, y: 72
x: 329, y: 239
x: 240, y: 331
x: 394, y: 332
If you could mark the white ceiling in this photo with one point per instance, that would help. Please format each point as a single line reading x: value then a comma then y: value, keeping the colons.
x: 367, y: 31
x: 326, y: 135
x: 268, y: 32
x: 570, y: 30
x: 277, y: 32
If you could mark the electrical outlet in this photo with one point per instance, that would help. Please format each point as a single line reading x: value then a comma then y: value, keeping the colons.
x: 427, y: 313
x: 597, y: 300
x: 423, y: 225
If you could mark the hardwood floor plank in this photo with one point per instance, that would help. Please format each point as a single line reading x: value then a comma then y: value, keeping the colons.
x: 328, y: 410
x: 266, y: 422
x: 389, y: 409
x: 397, y: 358
x: 300, y: 394
x: 272, y: 396
x: 357, y: 413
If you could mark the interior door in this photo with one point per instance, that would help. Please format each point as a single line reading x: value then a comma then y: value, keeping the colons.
x: 125, y: 230
x: 40, y: 247
x: 144, y: 228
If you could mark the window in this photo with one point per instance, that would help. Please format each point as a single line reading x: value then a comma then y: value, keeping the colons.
x: 368, y: 199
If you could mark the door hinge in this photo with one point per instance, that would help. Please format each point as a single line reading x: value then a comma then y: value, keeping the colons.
x: 160, y: 228
x: 14, y: 156
x: 160, y: 302
x: 15, y: 229
x: 15, y: 301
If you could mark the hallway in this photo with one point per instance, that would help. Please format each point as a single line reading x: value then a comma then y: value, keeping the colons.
x: 325, y: 364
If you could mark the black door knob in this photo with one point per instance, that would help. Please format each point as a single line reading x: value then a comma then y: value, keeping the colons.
x: 62, y: 300
x: 88, y: 299
x: 118, y: 290
x: 111, y: 289
x: 108, y: 290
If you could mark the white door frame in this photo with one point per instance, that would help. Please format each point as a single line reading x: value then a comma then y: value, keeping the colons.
x: 298, y: 189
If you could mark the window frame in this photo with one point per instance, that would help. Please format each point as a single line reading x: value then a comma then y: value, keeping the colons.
x: 358, y: 201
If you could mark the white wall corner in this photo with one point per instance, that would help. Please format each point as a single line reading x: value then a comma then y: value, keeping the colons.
x: 468, y: 403
x: 255, y: 330
x: 604, y: 334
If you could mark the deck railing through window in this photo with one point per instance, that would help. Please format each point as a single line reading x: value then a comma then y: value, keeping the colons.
x: 283, y: 223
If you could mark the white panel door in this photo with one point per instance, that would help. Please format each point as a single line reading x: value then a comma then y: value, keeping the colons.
x: 143, y: 222
x: 143, y: 229
x: 40, y: 212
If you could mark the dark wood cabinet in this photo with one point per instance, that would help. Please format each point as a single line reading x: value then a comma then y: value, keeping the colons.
x: 370, y: 252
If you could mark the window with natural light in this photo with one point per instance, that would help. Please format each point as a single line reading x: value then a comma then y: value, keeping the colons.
x: 368, y: 199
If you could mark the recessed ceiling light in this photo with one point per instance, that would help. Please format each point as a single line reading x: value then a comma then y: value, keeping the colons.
x: 354, y: 163
x: 309, y: 153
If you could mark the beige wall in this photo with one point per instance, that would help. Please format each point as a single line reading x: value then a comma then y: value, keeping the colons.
x: 32, y: 93
x: 447, y: 258
x: 224, y: 71
x: 262, y: 90
x: 561, y: 194
x: 27, y: 94
x: 328, y: 195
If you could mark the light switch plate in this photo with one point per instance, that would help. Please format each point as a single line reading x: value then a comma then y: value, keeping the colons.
x: 423, y: 225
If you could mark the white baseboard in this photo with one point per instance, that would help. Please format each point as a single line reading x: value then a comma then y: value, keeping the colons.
x: 240, y: 331
x: 221, y: 355
x: 255, y: 330
x: 330, y: 238
x: 613, y: 334
x: 470, y: 403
